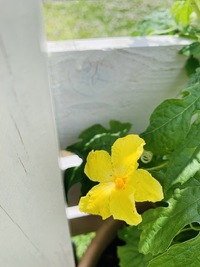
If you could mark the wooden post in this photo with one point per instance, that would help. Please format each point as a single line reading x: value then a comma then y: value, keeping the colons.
x: 33, y: 225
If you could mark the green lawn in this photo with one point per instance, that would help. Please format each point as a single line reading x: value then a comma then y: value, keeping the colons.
x: 93, y: 19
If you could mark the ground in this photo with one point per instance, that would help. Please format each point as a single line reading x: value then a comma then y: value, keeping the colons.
x: 93, y: 19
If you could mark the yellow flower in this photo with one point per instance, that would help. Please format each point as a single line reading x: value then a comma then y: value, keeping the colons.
x: 121, y: 184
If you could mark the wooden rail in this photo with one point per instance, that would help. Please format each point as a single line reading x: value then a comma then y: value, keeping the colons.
x: 96, y: 80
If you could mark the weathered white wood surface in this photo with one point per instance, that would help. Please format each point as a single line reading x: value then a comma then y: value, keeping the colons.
x: 124, y: 79
x: 33, y: 226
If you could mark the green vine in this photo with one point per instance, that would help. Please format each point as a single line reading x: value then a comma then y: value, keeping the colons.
x: 169, y: 232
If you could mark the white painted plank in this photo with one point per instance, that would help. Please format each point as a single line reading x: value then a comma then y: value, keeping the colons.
x: 115, y: 43
x: 33, y: 226
x: 96, y: 80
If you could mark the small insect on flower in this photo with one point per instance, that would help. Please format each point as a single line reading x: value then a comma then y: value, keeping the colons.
x: 121, y: 183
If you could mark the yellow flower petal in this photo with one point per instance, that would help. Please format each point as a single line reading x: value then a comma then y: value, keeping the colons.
x: 147, y: 188
x: 98, y: 167
x: 125, y: 153
x: 122, y: 206
x: 97, y: 200
x: 121, y: 184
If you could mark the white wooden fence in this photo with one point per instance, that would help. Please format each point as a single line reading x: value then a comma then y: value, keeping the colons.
x: 93, y: 81
x: 33, y: 225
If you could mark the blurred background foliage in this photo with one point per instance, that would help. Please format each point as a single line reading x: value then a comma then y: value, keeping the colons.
x: 72, y: 19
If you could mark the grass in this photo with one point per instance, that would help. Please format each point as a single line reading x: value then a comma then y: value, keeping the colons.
x: 93, y: 19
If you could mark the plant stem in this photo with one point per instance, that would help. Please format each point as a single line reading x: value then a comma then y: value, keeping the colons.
x: 104, y: 235
x: 194, y: 227
x: 157, y: 167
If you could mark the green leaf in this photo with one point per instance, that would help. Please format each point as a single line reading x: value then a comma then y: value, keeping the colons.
x: 171, y: 121
x: 119, y: 128
x: 181, y: 11
x: 197, y: 4
x: 76, y: 175
x: 161, y: 225
x: 95, y: 137
x: 191, y: 50
x: 180, y: 255
x: 82, y: 242
x: 191, y: 65
x: 92, y: 137
x: 185, y: 160
x: 195, y: 78
x: 85, y: 137
x: 196, y: 8
x: 128, y: 254
x: 158, y: 22
x: 90, y: 132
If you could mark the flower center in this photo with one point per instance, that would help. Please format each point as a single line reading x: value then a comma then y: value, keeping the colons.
x: 119, y: 183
